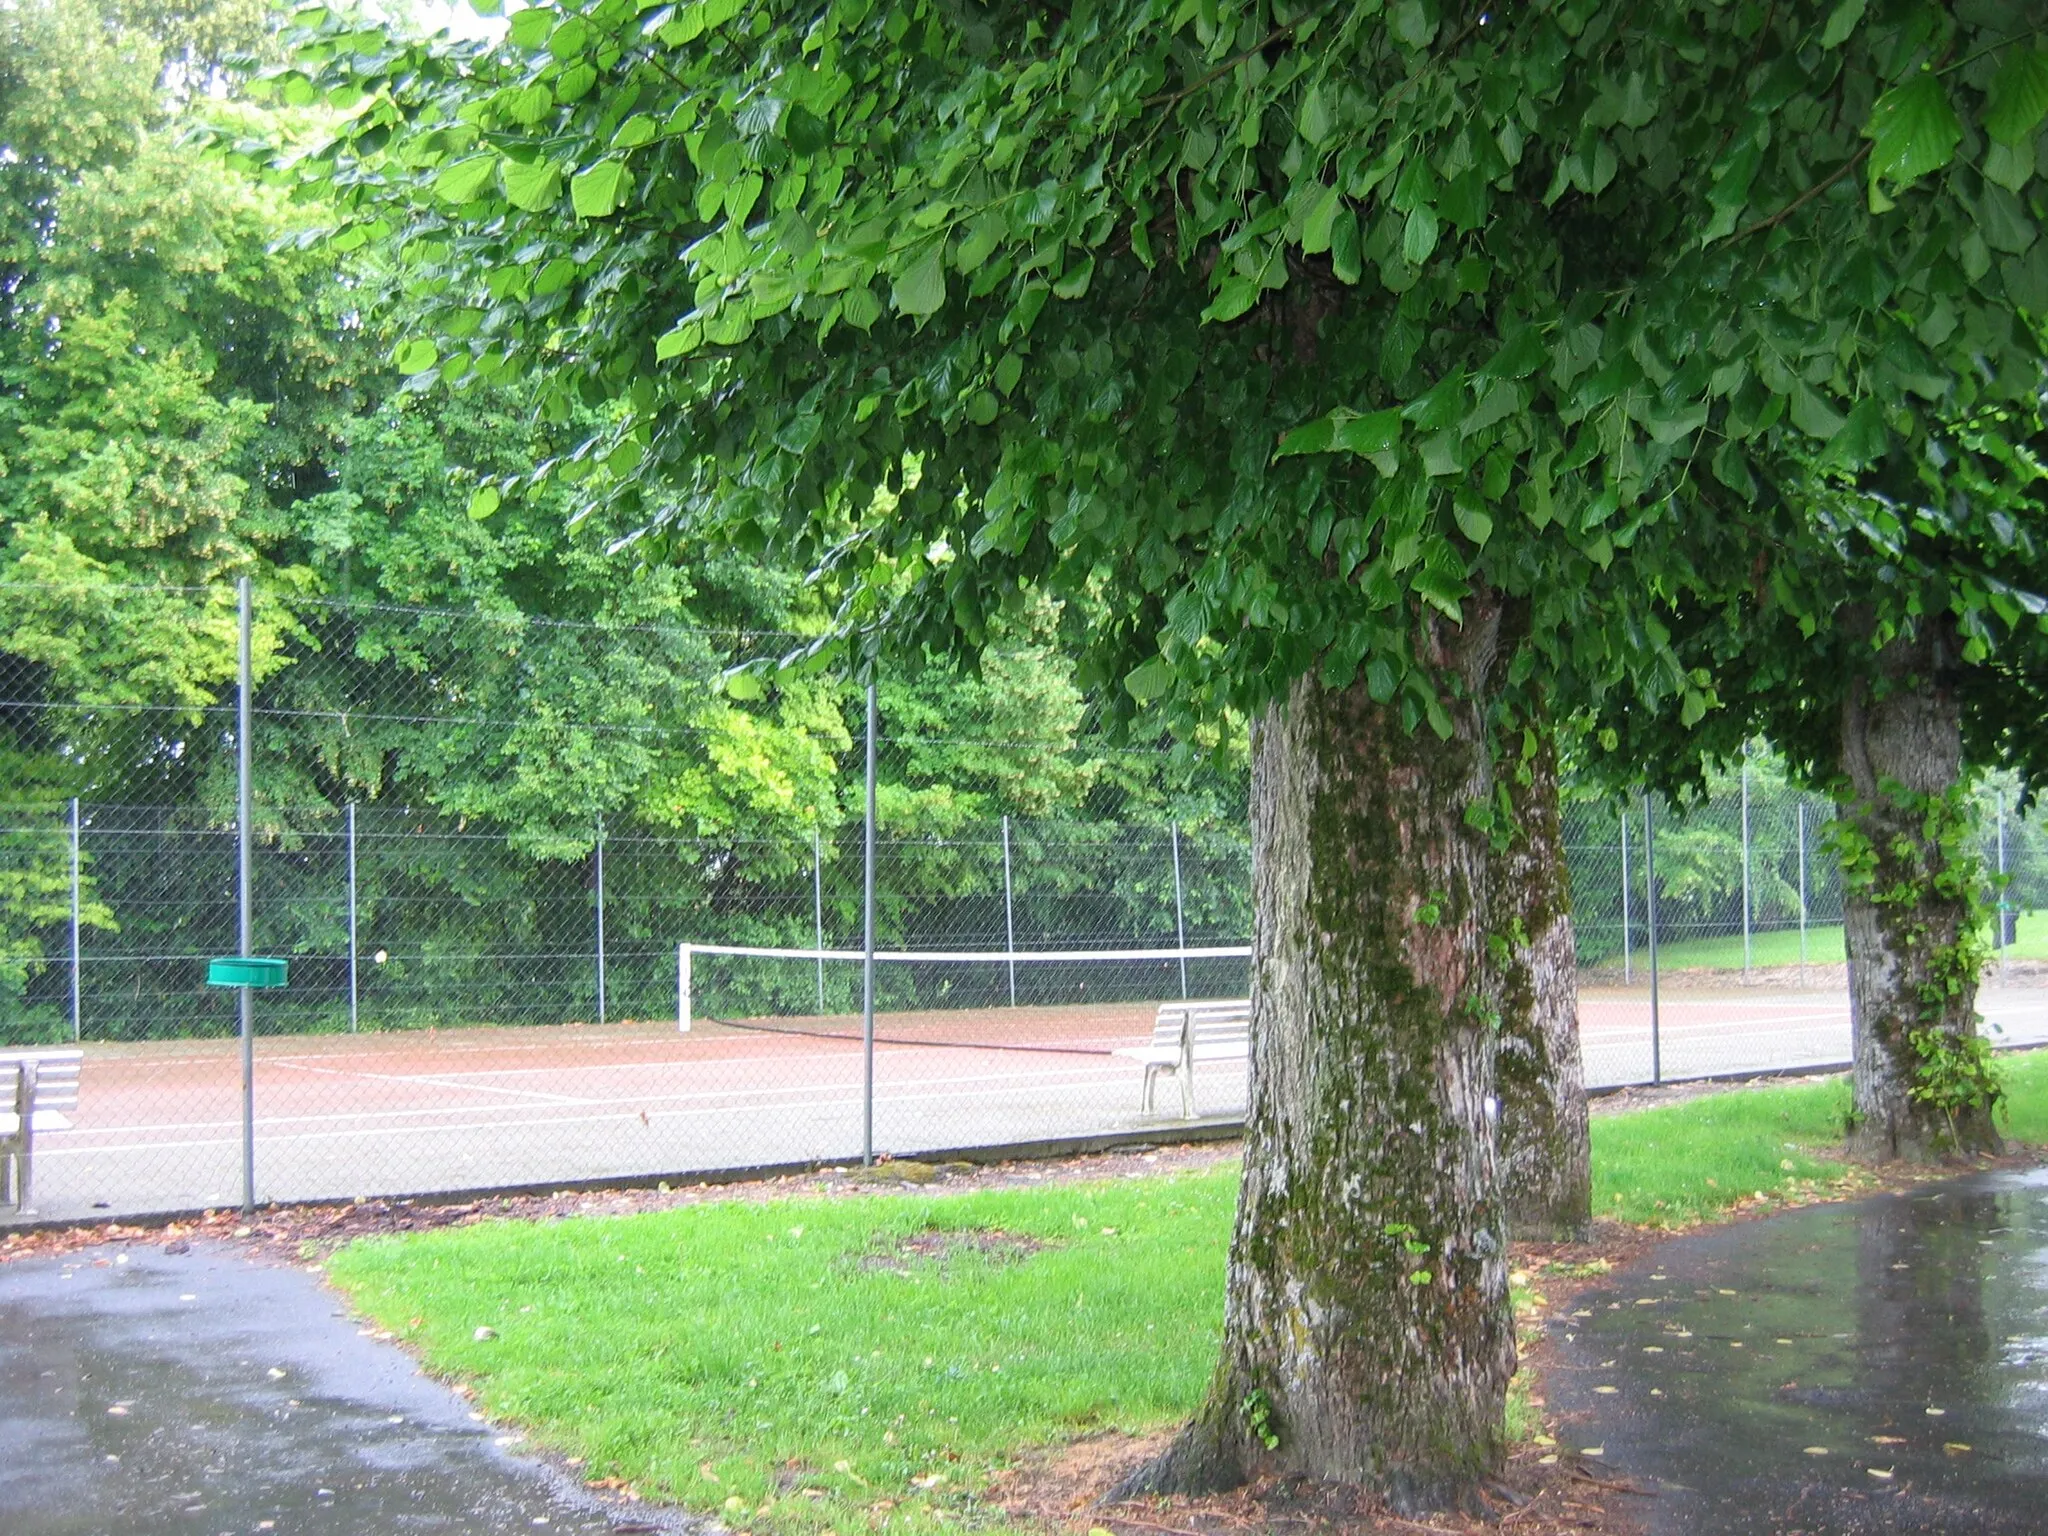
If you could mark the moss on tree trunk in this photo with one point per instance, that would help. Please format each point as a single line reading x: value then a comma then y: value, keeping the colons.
x: 1545, y: 1152
x: 1908, y: 909
x: 1367, y: 1334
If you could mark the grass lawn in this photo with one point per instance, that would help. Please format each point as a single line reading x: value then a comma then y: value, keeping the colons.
x: 1780, y: 946
x: 817, y: 1365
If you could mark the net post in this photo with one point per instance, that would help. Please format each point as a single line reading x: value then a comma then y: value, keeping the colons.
x: 242, y: 905
x: 77, y: 1017
x: 1009, y: 914
x: 1650, y: 922
x: 1180, y: 915
x: 683, y: 1001
x: 867, y: 967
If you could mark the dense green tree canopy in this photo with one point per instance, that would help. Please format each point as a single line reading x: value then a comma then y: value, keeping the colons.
x: 1267, y: 322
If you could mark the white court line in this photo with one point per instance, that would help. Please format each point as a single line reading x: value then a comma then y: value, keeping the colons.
x: 1065, y: 1078
x: 812, y: 1105
x: 435, y: 1080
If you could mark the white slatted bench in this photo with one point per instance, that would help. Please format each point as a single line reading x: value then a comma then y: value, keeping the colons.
x: 1185, y: 1033
x: 36, y: 1087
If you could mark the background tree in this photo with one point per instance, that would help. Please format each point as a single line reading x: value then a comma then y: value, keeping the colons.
x: 1304, y: 340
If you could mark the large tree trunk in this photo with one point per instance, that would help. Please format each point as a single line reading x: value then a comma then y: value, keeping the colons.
x: 1908, y: 913
x: 1367, y: 1337
x: 1545, y: 1155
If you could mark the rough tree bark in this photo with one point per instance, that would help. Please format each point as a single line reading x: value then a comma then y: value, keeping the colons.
x: 1367, y: 1337
x: 1902, y: 742
x: 1545, y: 1153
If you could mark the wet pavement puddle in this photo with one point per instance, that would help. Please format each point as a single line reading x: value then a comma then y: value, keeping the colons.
x: 1874, y: 1367
x: 199, y: 1394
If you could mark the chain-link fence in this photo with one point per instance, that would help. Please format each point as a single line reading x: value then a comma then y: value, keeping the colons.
x: 569, y: 902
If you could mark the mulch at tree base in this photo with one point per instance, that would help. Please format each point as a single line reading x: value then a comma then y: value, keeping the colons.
x: 1061, y: 1490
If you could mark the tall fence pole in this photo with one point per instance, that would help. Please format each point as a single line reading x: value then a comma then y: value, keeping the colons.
x: 1009, y: 913
x: 1801, y: 809
x: 1627, y: 941
x: 77, y: 1016
x: 818, y: 908
x: 2006, y: 932
x: 1746, y: 902
x: 1650, y: 925
x: 867, y: 962
x: 1180, y: 914
x: 243, y: 924
x: 354, y: 992
x: 598, y: 852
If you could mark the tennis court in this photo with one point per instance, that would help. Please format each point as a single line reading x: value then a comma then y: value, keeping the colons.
x: 159, y: 1127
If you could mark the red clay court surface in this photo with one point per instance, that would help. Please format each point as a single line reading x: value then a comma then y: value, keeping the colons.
x: 159, y: 1125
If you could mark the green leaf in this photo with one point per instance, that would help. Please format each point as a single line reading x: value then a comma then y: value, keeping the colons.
x: 1863, y: 438
x: 1418, y: 239
x: 920, y: 289
x: 533, y: 186
x: 860, y: 308
x: 1314, y: 437
x: 415, y: 356
x: 634, y: 131
x: 596, y: 193
x: 1344, y: 251
x: 1074, y: 281
x: 1237, y: 295
x: 2010, y: 165
x: 1813, y: 415
x: 1317, y: 227
x: 463, y: 180
x: 2019, y: 95
x: 1376, y: 432
x: 1008, y: 371
x: 530, y: 27
x: 1841, y: 22
x: 483, y: 502
x: 1474, y: 521
x: 1315, y: 116
x: 1150, y: 681
x: 1913, y: 130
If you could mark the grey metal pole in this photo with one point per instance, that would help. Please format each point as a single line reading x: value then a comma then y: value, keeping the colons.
x: 1627, y: 939
x: 1802, y: 892
x: 1009, y: 914
x: 2002, y: 910
x: 77, y: 1018
x: 1180, y: 915
x: 599, y: 851
x: 818, y: 907
x: 353, y: 992
x: 1746, y: 902
x: 242, y: 904
x: 867, y: 964
x: 1650, y: 925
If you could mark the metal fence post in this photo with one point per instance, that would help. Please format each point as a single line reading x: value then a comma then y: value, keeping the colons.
x: 598, y: 851
x: 1746, y: 902
x: 242, y: 903
x: 1650, y: 924
x: 1627, y: 955
x: 2005, y: 933
x: 1009, y: 913
x: 77, y: 1018
x: 1180, y: 915
x: 818, y: 907
x: 867, y: 963
x: 1801, y: 809
x: 353, y: 992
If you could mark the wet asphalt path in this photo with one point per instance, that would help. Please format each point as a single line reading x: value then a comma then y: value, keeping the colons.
x: 198, y: 1394
x: 1845, y: 1369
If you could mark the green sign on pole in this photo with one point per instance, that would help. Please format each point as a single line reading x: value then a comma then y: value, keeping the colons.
x: 245, y: 971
